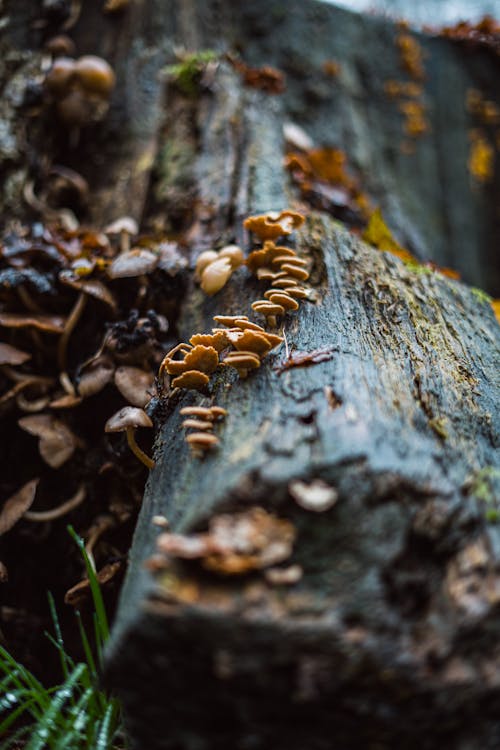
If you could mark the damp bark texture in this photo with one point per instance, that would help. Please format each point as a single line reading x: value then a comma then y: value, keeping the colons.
x: 389, y: 638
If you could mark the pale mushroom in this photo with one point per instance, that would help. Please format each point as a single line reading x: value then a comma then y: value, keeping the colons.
x: 126, y: 227
x: 127, y: 420
x: 132, y: 263
x: 215, y: 275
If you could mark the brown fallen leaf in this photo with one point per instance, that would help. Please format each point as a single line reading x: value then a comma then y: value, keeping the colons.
x: 4, y: 573
x: 17, y: 505
x: 57, y: 442
x: 78, y: 593
x: 305, y: 359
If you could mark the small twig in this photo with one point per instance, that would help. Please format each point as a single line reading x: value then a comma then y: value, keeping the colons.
x: 50, y: 515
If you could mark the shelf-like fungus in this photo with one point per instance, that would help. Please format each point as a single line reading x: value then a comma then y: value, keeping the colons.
x: 274, y: 224
x: 283, y: 299
x: 243, y: 362
x: 200, y: 442
x: 192, y: 379
x: 270, y: 310
x: 128, y: 420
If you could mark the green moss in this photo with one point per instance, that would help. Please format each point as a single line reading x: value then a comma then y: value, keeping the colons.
x: 412, y: 265
x: 481, y: 295
x: 484, y: 486
x: 186, y: 74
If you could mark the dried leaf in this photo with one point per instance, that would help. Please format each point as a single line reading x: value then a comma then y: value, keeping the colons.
x: 17, y: 505
x: 305, y: 359
x: 57, y: 442
x: 377, y: 233
x: 78, y: 593
x: 9, y: 355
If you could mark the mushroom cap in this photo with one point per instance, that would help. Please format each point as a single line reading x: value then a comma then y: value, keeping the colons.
x: 215, y: 275
x: 60, y: 45
x: 129, y: 416
x: 197, y: 424
x: 134, y: 262
x: 250, y: 341
x: 47, y: 323
x: 234, y: 254
x: 192, y: 379
x: 202, y: 440
x: 265, y: 274
x: 196, y: 411
x: 95, y: 75
x: 17, y: 504
x: 9, y: 355
x: 229, y: 320
x: 273, y: 224
x: 124, y: 224
x: 217, y: 339
x: 202, y: 358
x: 135, y: 385
x: 273, y: 339
x: 242, y: 360
x: 280, y: 298
x: 218, y: 412
x: 296, y: 291
x: 283, y: 283
x: 267, y: 308
x: 278, y: 260
x: 203, y: 260
x: 60, y: 75
x: 296, y: 271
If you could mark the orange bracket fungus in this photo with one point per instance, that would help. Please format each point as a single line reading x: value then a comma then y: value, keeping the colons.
x: 272, y: 225
x: 127, y: 420
x: 201, y: 419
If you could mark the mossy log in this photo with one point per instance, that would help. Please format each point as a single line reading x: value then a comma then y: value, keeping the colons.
x: 388, y: 640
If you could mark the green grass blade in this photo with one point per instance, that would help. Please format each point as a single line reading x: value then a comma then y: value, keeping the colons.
x: 104, y: 736
x: 65, y: 661
x: 95, y: 588
x: 78, y: 718
x: 48, y: 723
x: 86, y: 647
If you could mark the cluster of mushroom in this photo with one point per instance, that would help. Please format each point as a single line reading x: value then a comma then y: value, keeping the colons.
x: 201, y: 420
x: 213, y: 269
x: 248, y: 341
x: 81, y: 88
x: 279, y: 265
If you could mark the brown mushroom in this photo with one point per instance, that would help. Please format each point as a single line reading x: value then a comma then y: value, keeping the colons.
x: 135, y: 385
x: 196, y: 411
x: 217, y: 339
x: 191, y: 379
x: 57, y: 442
x: 229, y: 320
x: 243, y: 362
x: 60, y: 75
x: 296, y: 271
x: 95, y: 75
x: 127, y: 420
x: 202, y: 358
x: 16, y: 506
x: 60, y: 46
x: 197, y: 424
x: 283, y: 282
x: 269, y: 309
x: 200, y: 442
x: 278, y: 260
x: 298, y: 292
x: 91, y: 287
x: 250, y: 341
x: 272, y: 225
x: 280, y: 298
x: 218, y: 412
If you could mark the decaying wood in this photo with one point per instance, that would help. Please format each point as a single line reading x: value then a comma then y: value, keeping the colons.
x: 387, y: 639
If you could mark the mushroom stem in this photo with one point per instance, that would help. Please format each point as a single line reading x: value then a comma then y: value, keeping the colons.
x: 42, y: 516
x: 271, y: 321
x: 124, y: 241
x: 71, y: 322
x: 135, y: 449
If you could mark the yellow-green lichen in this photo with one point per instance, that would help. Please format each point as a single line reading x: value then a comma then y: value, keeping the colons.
x: 186, y: 74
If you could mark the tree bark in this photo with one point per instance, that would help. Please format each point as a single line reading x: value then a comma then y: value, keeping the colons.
x: 387, y: 640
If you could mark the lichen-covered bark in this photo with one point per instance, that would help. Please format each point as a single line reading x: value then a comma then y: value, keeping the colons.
x: 388, y: 637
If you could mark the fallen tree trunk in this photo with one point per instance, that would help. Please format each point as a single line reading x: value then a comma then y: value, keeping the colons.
x: 387, y: 639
